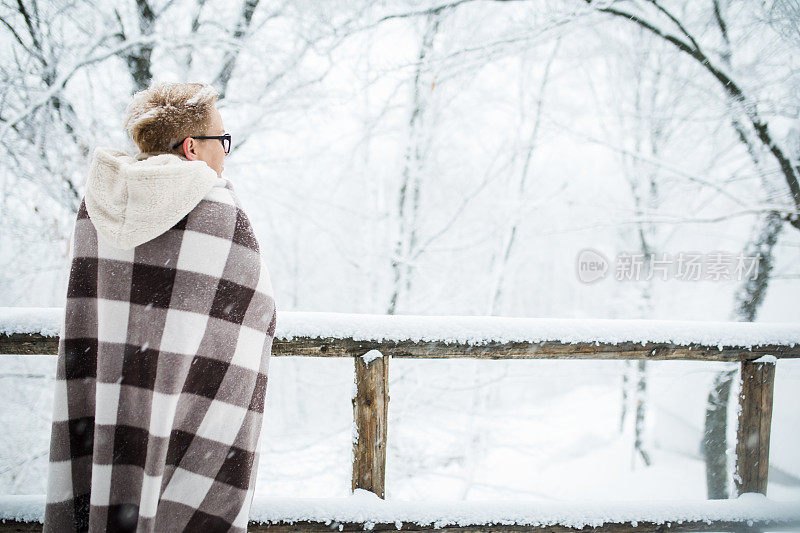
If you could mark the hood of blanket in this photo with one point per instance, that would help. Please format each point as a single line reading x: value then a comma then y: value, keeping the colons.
x: 131, y: 200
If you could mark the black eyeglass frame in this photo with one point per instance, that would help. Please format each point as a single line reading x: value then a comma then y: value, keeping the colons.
x: 226, y: 138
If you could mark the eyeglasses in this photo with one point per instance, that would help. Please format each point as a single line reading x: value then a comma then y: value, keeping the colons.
x: 224, y: 139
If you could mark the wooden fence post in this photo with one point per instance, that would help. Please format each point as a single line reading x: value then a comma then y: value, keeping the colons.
x: 370, y: 409
x: 755, y: 420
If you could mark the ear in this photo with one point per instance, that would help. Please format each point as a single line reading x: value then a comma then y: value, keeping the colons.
x: 190, y: 149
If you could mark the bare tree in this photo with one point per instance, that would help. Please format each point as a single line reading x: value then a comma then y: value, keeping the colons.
x: 411, y: 181
x: 647, y: 124
x: 748, y: 297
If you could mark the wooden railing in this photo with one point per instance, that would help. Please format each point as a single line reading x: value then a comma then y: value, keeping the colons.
x: 371, y: 400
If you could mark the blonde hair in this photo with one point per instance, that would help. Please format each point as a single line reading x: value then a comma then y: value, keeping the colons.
x: 166, y: 113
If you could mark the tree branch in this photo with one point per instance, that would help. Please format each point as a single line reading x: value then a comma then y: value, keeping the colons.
x: 733, y: 90
x: 676, y: 22
x: 58, y: 85
x: 231, y: 56
x: 34, y: 53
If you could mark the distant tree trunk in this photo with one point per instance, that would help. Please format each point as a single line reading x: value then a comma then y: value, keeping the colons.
x: 641, y: 411
x: 747, y: 300
x: 751, y: 293
x: 232, y: 54
x: 502, y: 257
x: 640, y: 395
x: 410, y: 186
x: 624, y: 412
x: 138, y: 59
x: 194, y: 28
x: 715, y: 441
x: 649, y: 134
x: 475, y: 430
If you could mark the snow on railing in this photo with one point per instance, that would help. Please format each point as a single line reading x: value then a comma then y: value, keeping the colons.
x: 363, y: 510
x: 474, y: 330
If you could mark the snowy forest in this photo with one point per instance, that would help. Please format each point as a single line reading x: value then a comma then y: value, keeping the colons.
x: 459, y: 158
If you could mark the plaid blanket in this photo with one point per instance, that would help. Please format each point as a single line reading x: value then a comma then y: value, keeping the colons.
x: 161, y: 377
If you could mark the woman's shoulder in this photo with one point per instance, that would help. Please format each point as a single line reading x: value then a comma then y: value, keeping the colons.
x: 220, y: 214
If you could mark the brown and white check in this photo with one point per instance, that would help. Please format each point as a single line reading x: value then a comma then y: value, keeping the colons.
x: 161, y: 377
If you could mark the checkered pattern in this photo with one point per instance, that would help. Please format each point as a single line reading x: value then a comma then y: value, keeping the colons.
x: 161, y: 377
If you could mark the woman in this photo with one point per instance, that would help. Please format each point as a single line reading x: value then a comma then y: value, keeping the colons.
x: 168, y: 329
